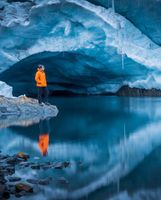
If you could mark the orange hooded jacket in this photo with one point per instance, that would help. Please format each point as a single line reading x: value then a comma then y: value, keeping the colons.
x: 40, y: 78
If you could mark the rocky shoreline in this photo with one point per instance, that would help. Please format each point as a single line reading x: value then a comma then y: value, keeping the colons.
x: 138, y: 92
x: 23, y: 111
x: 11, y: 185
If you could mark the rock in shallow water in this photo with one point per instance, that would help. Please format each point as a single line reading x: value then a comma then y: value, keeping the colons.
x: 61, y: 165
x: 23, y: 156
x: 2, y: 188
x: 63, y: 181
x: 14, y: 179
x: 44, y: 181
x: 33, y: 181
x: 4, y: 194
x: 35, y: 166
x: 23, y: 187
x: 17, y: 186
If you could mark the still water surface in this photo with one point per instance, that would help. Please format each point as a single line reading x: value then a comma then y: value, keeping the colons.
x: 112, y: 143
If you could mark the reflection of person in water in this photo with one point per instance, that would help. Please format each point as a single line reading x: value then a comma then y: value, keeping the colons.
x: 44, y: 136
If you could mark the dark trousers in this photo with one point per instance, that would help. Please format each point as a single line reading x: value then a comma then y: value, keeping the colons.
x: 43, y: 94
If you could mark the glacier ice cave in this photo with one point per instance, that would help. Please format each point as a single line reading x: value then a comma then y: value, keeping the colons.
x: 88, y: 47
x: 98, y: 147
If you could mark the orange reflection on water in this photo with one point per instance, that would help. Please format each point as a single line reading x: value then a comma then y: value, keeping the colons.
x: 43, y: 143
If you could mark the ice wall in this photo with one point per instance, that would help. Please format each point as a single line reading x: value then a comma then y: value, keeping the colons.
x: 97, y: 50
x: 5, y: 90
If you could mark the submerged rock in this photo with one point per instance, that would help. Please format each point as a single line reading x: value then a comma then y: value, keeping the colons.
x: 8, y: 171
x: 23, y: 111
x: 10, y: 184
x: 2, y: 188
x: 33, y: 181
x: 13, y: 160
x: 23, y: 187
x: 66, y: 164
x: 58, y: 166
x: 14, y: 179
x: 61, y: 165
x: 35, y: 166
x: 4, y: 193
x: 63, y: 181
x: 47, y: 166
x: 44, y: 181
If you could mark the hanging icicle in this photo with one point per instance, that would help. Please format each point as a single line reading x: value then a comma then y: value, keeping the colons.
x: 122, y: 60
x: 122, y: 51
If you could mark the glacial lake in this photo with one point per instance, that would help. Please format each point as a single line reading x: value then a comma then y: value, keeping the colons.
x: 113, y: 145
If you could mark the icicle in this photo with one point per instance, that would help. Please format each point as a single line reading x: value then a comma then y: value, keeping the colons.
x: 122, y: 60
x: 120, y: 39
x: 113, y: 5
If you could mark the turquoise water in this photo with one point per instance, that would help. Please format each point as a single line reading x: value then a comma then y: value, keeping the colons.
x: 112, y: 143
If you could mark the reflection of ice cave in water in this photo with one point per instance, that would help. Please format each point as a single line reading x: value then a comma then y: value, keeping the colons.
x: 106, y: 160
x: 90, y: 59
x: 122, y: 159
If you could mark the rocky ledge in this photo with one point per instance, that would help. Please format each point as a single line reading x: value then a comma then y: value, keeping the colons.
x: 23, y: 111
x: 138, y: 92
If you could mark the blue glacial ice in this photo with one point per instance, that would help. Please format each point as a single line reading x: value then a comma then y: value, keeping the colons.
x: 5, y: 90
x: 87, y: 48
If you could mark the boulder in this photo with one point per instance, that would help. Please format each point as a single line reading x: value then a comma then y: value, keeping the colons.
x: 23, y: 111
x: 23, y: 187
x: 23, y: 156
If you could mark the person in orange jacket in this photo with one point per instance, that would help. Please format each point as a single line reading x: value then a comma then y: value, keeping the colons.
x: 41, y: 84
